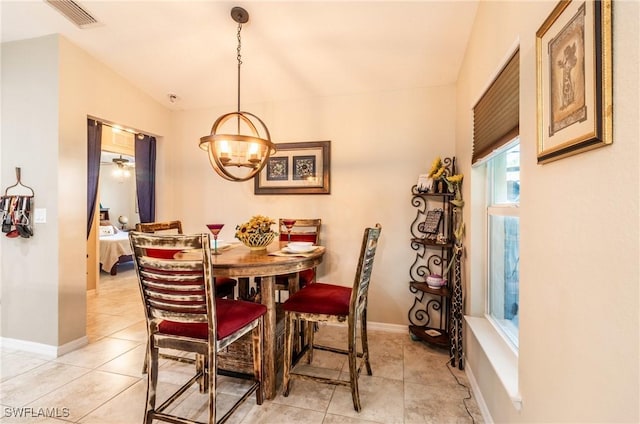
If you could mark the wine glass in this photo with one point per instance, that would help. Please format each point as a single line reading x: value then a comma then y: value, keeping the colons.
x: 289, y: 223
x: 215, y: 230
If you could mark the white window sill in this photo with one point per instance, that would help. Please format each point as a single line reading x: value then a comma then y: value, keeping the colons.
x: 502, y: 358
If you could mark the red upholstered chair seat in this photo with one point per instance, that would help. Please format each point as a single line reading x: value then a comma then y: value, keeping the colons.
x: 224, y: 286
x: 232, y: 315
x: 320, y: 298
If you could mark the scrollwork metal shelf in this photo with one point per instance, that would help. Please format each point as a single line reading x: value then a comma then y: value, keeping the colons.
x: 431, y: 311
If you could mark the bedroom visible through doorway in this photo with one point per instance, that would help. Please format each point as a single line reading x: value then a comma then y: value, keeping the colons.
x: 121, y: 166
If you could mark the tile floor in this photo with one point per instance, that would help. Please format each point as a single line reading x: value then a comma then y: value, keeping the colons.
x: 103, y: 383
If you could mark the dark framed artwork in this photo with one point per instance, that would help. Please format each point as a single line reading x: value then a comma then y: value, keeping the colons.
x: 296, y: 168
x: 574, y: 72
x: 432, y: 221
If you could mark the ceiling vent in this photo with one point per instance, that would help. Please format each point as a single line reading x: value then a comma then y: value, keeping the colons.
x: 74, y: 12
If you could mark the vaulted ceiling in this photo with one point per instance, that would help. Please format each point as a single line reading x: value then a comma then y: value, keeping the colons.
x: 290, y: 49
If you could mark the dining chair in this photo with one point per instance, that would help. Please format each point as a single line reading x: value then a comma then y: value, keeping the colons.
x: 322, y: 302
x: 224, y: 286
x: 154, y: 227
x: 183, y: 313
x: 307, y: 229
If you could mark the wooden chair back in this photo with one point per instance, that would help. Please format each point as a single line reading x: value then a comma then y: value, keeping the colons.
x: 360, y: 291
x: 154, y: 227
x: 306, y: 229
x: 174, y: 290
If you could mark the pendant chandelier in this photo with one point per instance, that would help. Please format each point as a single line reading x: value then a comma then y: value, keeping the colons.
x: 239, y: 144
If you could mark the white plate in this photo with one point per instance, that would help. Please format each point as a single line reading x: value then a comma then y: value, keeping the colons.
x: 300, y: 244
x: 299, y: 249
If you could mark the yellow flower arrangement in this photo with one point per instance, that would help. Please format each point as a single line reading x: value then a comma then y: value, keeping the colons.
x: 453, y: 184
x: 258, y: 224
x: 436, y: 167
x: 455, y: 179
x: 438, y: 171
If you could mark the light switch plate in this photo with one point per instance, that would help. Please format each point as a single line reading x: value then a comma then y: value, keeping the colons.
x: 40, y: 215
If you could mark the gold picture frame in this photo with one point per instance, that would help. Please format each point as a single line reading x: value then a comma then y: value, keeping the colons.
x: 296, y: 168
x: 574, y: 79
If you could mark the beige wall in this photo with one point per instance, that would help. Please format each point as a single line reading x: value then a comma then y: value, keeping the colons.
x: 579, y: 338
x: 379, y: 144
x: 49, y: 87
x: 30, y: 140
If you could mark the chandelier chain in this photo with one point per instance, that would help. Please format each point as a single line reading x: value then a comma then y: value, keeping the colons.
x: 239, y: 57
x: 239, y: 45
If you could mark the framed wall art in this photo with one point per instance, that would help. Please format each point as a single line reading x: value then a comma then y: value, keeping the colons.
x: 296, y: 168
x: 432, y: 222
x: 574, y: 72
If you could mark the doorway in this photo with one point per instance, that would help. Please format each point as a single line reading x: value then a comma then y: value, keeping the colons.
x: 116, y: 202
x: 122, y: 148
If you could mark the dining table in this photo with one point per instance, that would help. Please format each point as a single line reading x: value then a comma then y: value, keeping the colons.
x: 240, y: 262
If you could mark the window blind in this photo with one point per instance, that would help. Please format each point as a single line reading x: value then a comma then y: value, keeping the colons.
x: 496, y: 116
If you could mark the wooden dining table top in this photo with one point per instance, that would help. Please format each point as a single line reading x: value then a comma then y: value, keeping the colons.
x: 240, y: 261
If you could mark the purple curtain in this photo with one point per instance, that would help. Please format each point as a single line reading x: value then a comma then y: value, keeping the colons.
x: 94, y: 141
x: 146, y: 177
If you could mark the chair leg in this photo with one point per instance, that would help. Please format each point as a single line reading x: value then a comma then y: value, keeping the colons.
x: 258, y: 367
x: 201, y: 367
x: 365, y: 341
x: 288, y: 352
x: 309, y: 327
x: 353, y: 364
x: 145, y: 365
x: 152, y: 383
x: 210, y: 379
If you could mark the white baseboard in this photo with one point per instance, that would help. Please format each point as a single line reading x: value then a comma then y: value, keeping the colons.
x: 47, y: 351
x: 377, y: 326
x: 482, y: 405
x: 389, y: 328
x: 73, y: 345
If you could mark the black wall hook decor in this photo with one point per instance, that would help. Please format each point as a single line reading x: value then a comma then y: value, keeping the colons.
x: 18, y: 184
x: 16, y: 208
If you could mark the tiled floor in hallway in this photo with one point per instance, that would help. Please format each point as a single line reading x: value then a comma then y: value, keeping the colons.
x: 103, y: 382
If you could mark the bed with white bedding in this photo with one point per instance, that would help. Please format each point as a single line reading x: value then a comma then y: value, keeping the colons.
x: 114, y: 249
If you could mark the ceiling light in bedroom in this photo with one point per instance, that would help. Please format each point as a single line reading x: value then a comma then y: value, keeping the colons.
x: 239, y: 145
x: 122, y: 167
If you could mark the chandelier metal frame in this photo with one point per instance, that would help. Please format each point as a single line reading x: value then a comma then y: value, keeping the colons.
x: 255, y: 147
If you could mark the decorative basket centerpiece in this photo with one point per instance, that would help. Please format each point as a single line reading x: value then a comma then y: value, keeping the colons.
x: 256, y: 233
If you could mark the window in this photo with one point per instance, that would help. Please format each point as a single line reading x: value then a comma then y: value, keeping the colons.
x: 503, y: 240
